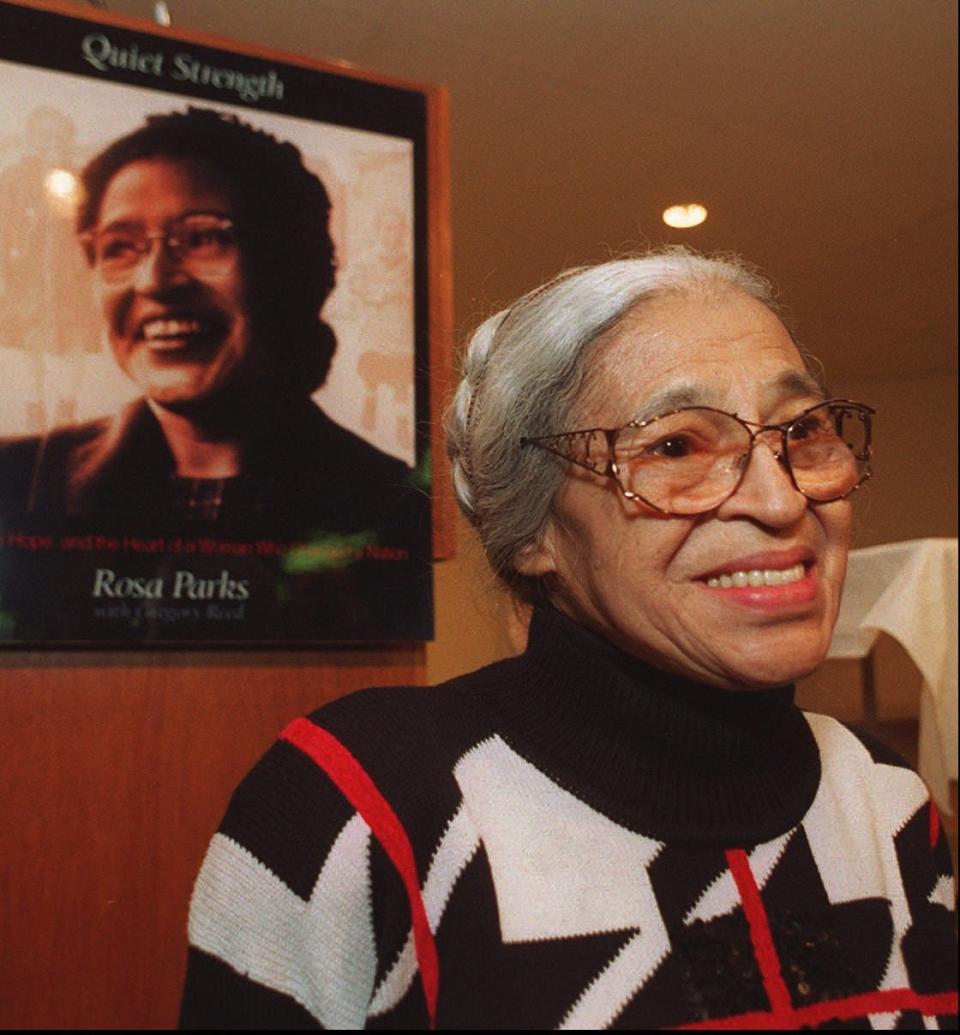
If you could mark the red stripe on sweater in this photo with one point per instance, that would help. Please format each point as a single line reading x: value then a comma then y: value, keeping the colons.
x: 761, y: 937
x: 359, y: 789
x: 888, y: 1000
x: 758, y: 1020
x: 934, y: 824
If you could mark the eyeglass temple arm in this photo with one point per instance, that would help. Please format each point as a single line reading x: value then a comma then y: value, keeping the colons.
x: 564, y: 446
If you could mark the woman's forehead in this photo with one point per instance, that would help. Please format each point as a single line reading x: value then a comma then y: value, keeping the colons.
x: 145, y: 185
x: 689, y: 351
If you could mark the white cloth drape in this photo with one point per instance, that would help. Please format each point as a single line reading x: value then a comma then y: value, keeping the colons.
x: 909, y: 591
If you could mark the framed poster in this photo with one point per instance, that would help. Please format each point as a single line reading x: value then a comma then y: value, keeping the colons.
x: 219, y: 271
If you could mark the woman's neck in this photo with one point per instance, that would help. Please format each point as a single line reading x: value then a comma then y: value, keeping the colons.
x: 659, y: 753
x: 201, y: 448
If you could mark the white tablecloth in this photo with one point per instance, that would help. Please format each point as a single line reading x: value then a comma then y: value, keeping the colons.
x: 909, y: 591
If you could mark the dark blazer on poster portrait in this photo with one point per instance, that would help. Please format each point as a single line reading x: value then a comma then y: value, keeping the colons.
x: 357, y: 520
x: 303, y: 474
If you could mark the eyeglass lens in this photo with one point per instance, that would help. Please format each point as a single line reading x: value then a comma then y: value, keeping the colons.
x: 202, y: 244
x: 691, y: 461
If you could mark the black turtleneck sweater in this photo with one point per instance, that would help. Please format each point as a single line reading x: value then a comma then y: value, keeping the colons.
x: 573, y: 839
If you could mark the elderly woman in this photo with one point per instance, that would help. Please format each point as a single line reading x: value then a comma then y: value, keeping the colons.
x: 632, y: 824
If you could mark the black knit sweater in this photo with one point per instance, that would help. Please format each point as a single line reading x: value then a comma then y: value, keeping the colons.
x: 573, y: 839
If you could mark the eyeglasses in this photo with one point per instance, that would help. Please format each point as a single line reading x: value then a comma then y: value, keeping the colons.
x: 203, y: 244
x: 688, y: 461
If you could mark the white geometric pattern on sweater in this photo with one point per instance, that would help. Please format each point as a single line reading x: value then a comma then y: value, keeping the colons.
x: 457, y: 847
x: 942, y: 893
x: 560, y: 869
x: 320, y: 952
x: 721, y: 896
x: 852, y: 842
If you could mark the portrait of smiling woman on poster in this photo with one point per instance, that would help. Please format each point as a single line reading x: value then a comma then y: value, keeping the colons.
x: 220, y: 477
x: 212, y: 258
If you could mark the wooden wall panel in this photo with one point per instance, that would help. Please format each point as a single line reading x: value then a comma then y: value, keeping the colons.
x: 116, y: 769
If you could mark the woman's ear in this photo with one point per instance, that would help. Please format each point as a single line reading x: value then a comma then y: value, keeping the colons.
x: 539, y: 558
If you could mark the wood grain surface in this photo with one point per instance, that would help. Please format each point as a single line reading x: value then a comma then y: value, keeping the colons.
x: 116, y: 769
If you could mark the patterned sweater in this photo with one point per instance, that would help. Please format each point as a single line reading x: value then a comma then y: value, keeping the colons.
x: 571, y: 839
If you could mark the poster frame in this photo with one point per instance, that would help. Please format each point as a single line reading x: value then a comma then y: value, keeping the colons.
x: 38, y: 34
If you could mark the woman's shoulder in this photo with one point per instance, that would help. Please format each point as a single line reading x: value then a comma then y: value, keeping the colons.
x: 335, y: 448
x: 398, y: 745
x: 23, y: 449
x: 398, y: 728
x: 28, y: 463
x: 855, y: 746
x: 865, y: 785
x: 372, y: 772
x: 442, y: 719
x: 66, y: 445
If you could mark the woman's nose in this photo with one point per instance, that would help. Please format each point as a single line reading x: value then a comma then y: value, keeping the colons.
x: 158, y: 268
x: 766, y: 492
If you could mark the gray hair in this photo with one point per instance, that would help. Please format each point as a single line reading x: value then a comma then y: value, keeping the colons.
x: 523, y: 372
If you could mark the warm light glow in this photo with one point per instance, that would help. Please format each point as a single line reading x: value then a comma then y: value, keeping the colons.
x: 684, y: 216
x: 62, y: 185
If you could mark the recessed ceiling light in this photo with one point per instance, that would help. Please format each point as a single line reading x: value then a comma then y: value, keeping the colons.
x: 684, y: 216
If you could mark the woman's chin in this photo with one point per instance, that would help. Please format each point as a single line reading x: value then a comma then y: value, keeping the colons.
x: 777, y: 667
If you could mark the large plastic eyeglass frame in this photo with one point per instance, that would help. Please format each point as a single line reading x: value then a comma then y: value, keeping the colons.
x: 562, y: 445
x: 172, y: 245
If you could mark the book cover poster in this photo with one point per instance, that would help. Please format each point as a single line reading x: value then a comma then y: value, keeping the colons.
x: 213, y: 344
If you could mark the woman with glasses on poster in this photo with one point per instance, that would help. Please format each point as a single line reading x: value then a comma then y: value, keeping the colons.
x: 212, y: 259
x: 631, y: 824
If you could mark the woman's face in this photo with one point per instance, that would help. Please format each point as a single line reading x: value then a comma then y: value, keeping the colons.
x: 182, y: 337
x: 639, y: 578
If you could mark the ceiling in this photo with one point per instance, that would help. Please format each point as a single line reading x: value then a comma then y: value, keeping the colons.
x: 820, y: 134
